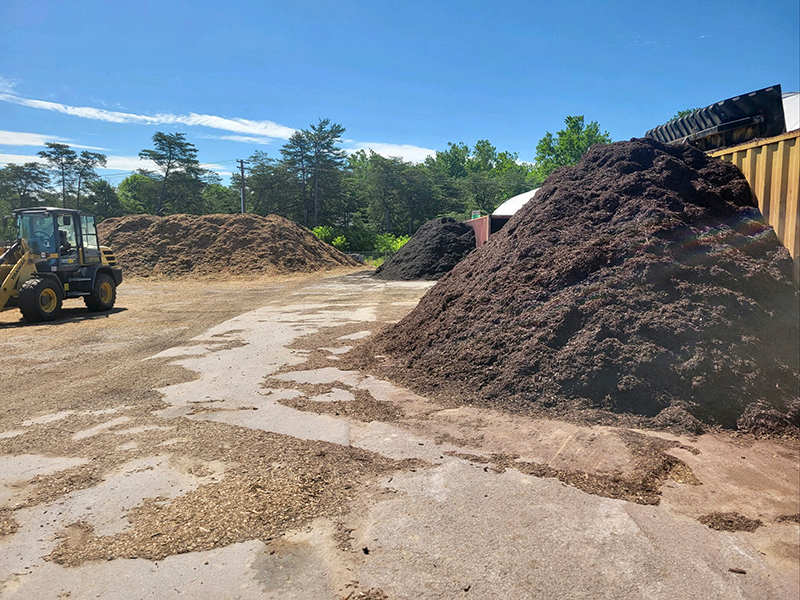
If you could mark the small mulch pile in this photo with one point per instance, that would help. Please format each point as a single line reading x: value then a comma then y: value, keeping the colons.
x: 730, y: 521
x: 641, y: 282
x: 177, y: 245
x: 433, y: 251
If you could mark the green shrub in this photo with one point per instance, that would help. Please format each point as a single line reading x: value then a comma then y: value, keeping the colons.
x: 324, y: 232
x: 360, y: 234
x: 388, y: 243
x: 340, y: 243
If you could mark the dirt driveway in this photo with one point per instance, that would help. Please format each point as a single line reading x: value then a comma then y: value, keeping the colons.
x: 202, y: 441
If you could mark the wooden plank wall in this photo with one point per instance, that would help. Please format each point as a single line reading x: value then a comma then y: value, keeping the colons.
x: 772, y: 167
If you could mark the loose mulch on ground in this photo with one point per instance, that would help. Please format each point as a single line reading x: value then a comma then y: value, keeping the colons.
x: 8, y: 524
x: 795, y: 518
x: 272, y: 483
x: 180, y: 245
x: 370, y: 594
x: 432, y: 252
x: 730, y: 522
x: 363, y: 408
x: 640, y: 282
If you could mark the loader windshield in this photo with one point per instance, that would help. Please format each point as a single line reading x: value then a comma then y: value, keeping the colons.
x: 37, y: 229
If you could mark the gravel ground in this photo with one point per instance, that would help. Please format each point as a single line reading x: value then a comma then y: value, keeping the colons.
x: 201, y: 440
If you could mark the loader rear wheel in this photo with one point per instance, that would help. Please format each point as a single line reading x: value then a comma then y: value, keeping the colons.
x: 40, y: 300
x: 104, y: 294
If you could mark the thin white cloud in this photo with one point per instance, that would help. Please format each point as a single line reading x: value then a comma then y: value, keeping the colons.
x: 405, y: 151
x: 18, y: 159
x: 133, y: 163
x: 113, y: 163
x: 245, y: 139
x: 245, y: 130
x: 127, y: 164
x: 6, y: 85
x: 267, y: 129
x: 21, y: 138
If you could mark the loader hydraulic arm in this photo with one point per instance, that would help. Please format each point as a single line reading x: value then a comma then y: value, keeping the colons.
x: 12, y: 272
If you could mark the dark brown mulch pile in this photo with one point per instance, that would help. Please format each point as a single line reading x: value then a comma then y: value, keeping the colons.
x: 146, y: 245
x: 433, y: 251
x: 639, y: 282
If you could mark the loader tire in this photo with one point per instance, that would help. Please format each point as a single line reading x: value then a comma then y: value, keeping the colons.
x: 40, y: 300
x: 103, y: 295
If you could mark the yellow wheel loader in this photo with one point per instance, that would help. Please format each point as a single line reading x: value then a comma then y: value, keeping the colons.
x: 56, y: 255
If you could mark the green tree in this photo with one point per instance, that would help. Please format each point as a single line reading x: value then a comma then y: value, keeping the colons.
x: 62, y: 161
x: 176, y: 158
x: 482, y: 159
x: 327, y: 161
x: 388, y: 243
x: 84, y: 171
x: 453, y: 161
x: 480, y: 177
x: 314, y: 157
x: 296, y: 153
x: 398, y: 195
x: 274, y: 187
x: 683, y: 113
x: 482, y: 191
x: 419, y: 198
x: 566, y: 147
x: 22, y: 185
x: 218, y: 199
x: 185, y: 192
x: 138, y: 193
x: 102, y: 200
x: 380, y: 179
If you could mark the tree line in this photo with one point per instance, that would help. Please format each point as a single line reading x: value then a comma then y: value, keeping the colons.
x: 354, y: 198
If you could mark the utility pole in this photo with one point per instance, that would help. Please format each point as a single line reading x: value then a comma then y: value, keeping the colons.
x: 241, y: 167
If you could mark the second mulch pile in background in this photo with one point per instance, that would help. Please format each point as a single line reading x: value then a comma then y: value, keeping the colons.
x: 182, y: 245
x: 435, y: 249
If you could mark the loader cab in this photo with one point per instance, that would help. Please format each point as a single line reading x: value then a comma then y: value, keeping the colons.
x: 64, y: 239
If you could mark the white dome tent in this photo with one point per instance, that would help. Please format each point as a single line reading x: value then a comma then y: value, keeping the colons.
x: 512, y: 205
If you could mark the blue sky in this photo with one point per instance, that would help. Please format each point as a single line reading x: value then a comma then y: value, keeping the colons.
x: 404, y: 78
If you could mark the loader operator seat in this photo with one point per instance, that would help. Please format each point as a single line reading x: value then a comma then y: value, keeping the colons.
x: 63, y: 243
